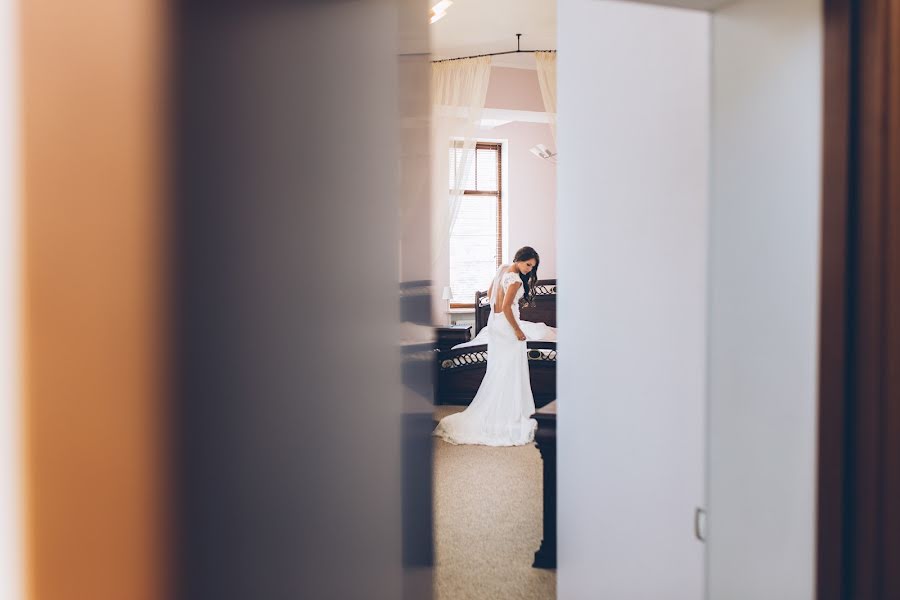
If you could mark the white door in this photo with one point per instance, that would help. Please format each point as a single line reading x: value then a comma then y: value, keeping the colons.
x: 632, y: 228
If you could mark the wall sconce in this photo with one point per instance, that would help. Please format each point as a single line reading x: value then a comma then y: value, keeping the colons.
x: 541, y: 151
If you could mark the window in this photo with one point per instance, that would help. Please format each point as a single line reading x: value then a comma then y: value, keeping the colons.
x: 476, y: 241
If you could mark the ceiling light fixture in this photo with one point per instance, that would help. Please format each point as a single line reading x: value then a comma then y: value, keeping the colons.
x: 439, y: 10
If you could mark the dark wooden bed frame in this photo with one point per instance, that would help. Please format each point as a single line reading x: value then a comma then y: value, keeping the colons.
x: 459, y: 372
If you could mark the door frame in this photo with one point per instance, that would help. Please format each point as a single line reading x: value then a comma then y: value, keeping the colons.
x: 859, y: 380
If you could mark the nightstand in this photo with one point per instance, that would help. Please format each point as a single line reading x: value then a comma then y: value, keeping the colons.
x: 451, y: 335
x: 455, y: 315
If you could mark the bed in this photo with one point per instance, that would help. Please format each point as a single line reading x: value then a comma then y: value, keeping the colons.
x: 460, y: 370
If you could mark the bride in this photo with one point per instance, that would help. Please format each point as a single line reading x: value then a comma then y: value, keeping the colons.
x: 500, y: 413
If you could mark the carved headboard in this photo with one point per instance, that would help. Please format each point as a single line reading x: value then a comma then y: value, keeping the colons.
x: 543, y: 311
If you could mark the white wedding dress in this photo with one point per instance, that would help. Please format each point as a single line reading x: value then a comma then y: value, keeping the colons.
x: 500, y: 413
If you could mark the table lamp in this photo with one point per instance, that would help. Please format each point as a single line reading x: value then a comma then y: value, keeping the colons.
x: 448, y: 296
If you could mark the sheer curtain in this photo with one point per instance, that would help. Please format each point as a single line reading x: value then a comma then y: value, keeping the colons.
x: 546, y: 72
x: 458, y: 92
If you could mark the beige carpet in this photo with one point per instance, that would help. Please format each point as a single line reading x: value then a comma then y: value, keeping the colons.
x: 487, y: 513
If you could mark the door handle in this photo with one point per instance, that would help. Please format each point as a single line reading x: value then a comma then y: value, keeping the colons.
x: 699, y: 524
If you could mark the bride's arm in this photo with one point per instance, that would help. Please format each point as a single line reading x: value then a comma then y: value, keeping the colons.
x: 508, y: 299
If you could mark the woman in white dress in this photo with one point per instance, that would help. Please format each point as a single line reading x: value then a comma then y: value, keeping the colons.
x: 500, y: 413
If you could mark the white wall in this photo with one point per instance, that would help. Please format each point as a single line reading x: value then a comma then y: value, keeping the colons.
x: 531, y: 201
x: 632, y: 236
x: 11, y: 551
x: 763, y: 301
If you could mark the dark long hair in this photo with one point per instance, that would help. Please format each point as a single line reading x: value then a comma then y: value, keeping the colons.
x: 528, y: 281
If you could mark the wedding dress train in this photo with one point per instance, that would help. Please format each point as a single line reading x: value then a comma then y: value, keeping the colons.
x: 534, y: 332
x: 500, y: 413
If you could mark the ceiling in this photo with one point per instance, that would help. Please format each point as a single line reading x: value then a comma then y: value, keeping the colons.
x: 483, y: 26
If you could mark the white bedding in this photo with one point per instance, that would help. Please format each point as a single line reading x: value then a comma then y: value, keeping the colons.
x: 534, y: 332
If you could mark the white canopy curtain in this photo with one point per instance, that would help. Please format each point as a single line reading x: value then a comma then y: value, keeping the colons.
x: 458, y: 92
x: 546, y: 72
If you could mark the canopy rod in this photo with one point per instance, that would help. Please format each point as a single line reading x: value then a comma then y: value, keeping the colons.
x: 518, y: 50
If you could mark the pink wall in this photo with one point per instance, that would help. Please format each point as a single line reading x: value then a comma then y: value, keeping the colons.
x: 515, y: 89
x: 530, y: 198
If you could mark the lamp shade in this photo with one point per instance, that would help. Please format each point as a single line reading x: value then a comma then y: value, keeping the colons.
x: 448, y: 293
